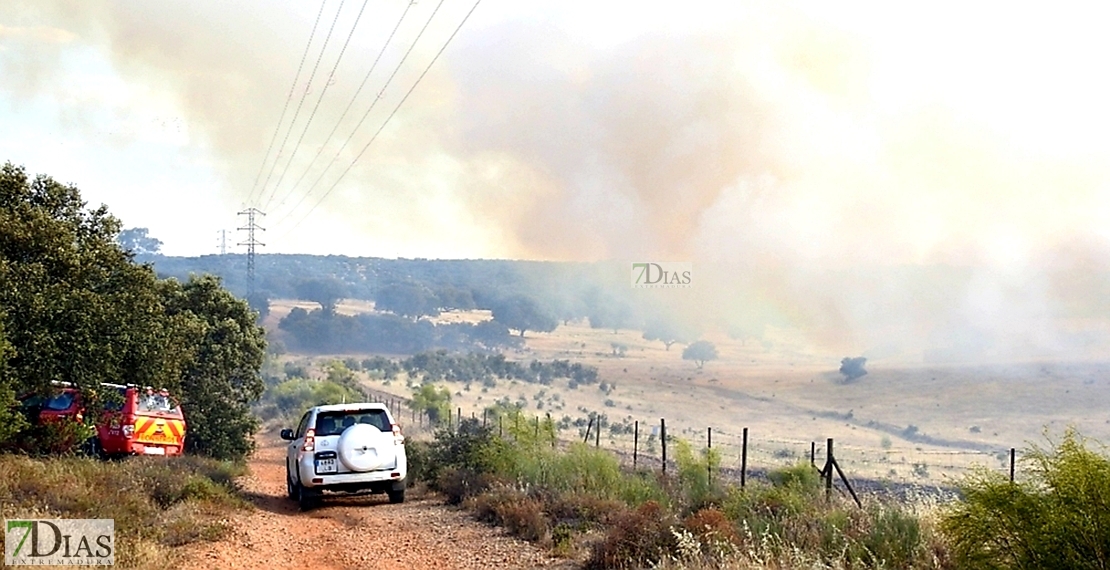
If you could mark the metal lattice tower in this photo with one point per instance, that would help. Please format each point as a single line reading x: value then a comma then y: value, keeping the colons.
x: 251, y: 243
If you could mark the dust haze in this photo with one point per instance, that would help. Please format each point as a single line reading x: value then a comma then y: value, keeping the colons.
x: 820, y: 176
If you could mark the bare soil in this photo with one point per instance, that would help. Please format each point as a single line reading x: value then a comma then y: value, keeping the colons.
x: 356, y: 532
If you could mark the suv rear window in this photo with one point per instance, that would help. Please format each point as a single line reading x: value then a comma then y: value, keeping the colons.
x: 333, y: 423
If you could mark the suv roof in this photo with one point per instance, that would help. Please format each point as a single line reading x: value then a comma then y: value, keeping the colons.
x: 351, y: 407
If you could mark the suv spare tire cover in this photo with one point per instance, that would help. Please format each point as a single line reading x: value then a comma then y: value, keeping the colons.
x: 363, y: 447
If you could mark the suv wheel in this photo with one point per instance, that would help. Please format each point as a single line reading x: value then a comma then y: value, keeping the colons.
x: 306, y: 499
x: 396, y: 497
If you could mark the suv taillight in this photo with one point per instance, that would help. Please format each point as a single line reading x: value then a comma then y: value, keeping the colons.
x: 309, y: 440
x: 398, y: 437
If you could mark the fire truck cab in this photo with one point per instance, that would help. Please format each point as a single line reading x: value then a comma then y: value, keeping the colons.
x: 140, y: 421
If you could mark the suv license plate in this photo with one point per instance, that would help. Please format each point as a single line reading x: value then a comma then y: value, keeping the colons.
x: 326, y: 466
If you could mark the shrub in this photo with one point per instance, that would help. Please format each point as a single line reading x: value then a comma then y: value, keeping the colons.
x: 519, y: 513
x: 638, y: 538
x: 289, y: 399
x: 1058, y: 517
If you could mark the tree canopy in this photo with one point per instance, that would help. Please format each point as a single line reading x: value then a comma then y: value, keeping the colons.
x: 408, y: 299
x: 852, y: 368
x: 700, y: 352
x: 667, y: 331
x: 522, y: 314
x: 138, y: 241
x: 75, y: 307
x: 328, y: 292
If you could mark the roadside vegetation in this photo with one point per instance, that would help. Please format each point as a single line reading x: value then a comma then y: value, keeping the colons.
x: 157, y: 503
x: 580, y: 502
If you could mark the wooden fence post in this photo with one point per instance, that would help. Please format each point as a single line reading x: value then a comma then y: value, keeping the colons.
x: 589, y: 426
x: 744, y: 460
x: 635, y: 441
x: 663, y: 439
x: 828, y: 467
x: 1013, y: 453
x: 458, y: 424
x: 597, y: 434
x: 709, y: 454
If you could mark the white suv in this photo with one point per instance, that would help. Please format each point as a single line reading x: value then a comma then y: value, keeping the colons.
x: 345, y: 448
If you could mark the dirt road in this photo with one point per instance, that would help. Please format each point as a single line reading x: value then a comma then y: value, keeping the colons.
x: 362, y: 532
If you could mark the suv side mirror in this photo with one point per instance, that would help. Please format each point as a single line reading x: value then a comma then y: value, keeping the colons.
x: 287, y: 434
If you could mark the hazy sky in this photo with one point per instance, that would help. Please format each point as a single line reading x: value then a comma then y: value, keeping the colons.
x: 819, y: 133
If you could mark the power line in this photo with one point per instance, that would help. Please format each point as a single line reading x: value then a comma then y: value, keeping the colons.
x: 289, y: 97
x: 303, y: 95
x: 350, y: 104
x: 394, y: 112
x: 373, y: 104
x: 319, y: 100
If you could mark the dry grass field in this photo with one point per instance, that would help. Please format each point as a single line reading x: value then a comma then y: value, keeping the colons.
x: 902, y: 421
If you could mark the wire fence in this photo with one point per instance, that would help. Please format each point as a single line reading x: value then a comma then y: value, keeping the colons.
x: 742, y: 452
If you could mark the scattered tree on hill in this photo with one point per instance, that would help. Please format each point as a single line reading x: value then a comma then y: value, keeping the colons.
x: 521, y: 314
x: 700, y: 352
x: 259, y: 302
x: 852, y: 368
x: 450, y: 298
x: 667, y: 331
x: 615, y: 316
x: 744, y: 330
x: 328, y: 292
x: 138, y: 241
x: 407, y: 299
x: 436, y: 402
x: 492, y: 335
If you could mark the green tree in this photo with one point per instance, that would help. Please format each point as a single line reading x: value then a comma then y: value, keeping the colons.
x: 436, y: 402
x: 852, y: 368
x: 74, y: 306
x: 138, y: 241
x: 700, y: 352
x: 522, y: 314
x: 327, y: 292
x: 407, y: 299
x: 11, y: 421
x: 667, y: 331
x: 222, y: 379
